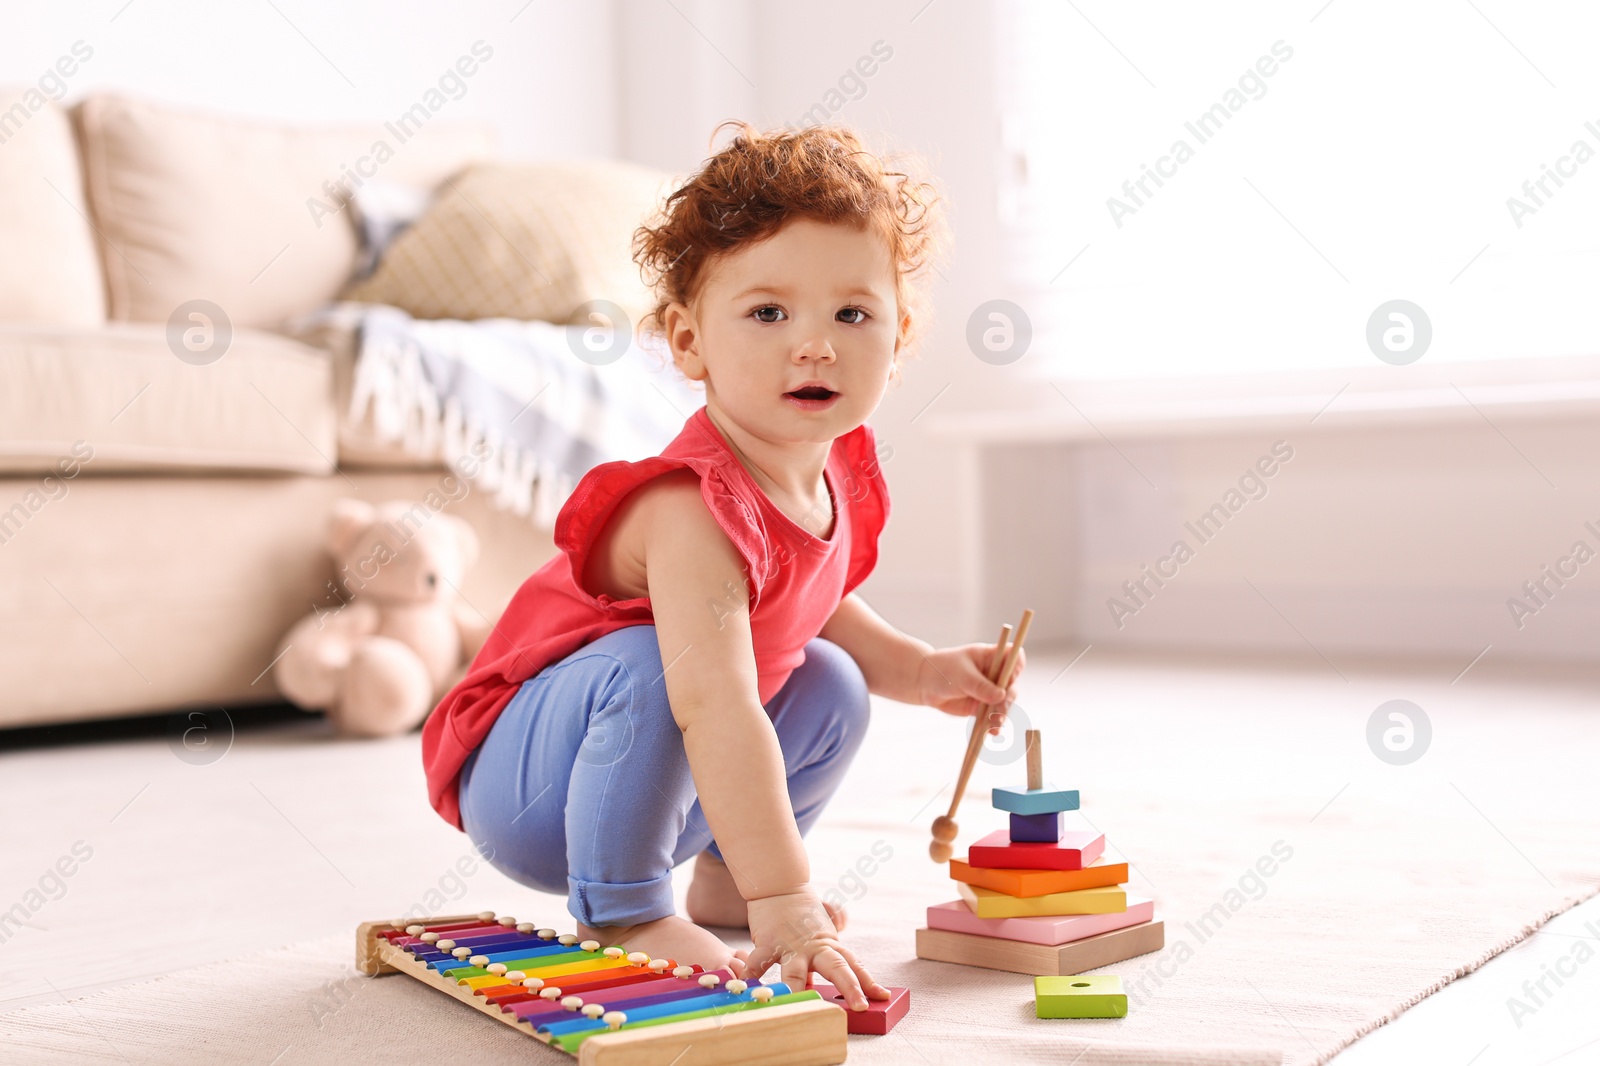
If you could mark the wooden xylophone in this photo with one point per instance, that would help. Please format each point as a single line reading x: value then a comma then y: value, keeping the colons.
x: 607, y: 1006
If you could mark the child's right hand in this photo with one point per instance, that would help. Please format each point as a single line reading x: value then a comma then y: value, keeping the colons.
x: 956, y: 681
x: 793, y: 930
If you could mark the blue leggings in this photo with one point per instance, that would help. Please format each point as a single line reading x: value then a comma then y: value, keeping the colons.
x: 583, y: 784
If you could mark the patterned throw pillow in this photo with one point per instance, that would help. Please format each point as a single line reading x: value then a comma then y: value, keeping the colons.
x: 522, y: 240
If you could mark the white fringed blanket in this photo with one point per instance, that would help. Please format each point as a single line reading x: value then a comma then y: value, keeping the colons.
x: 524, y: 409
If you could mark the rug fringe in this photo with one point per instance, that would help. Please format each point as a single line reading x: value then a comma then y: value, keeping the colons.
x: 1463, y: 970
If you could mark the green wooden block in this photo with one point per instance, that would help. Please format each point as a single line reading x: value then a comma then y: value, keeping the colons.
x: 1083, y: 996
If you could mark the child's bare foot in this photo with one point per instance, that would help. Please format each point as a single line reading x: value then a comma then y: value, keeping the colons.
x: 671, y: 937
x: 714, y: 897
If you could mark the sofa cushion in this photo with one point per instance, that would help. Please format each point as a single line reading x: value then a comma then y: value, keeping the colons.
x: 49, y: 265
x: 525, y: 240
x: 265, y: 405
x: 244, y: 213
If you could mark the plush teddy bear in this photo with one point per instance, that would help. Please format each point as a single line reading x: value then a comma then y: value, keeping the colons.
x: 378, y: 660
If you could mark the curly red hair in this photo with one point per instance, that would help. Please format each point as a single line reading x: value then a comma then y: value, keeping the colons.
x: 760, y: 181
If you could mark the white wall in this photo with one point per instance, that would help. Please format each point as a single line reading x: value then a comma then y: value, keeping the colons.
x: 1376, y: 542
x: 549, y: 87
x: 682, y: 69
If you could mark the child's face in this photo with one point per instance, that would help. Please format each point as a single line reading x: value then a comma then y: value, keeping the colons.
x: 814, y: 305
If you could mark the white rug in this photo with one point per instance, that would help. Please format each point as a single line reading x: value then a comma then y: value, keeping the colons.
x: 1397, y: 880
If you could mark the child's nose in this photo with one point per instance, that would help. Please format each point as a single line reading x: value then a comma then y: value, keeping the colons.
x: 815, y: 349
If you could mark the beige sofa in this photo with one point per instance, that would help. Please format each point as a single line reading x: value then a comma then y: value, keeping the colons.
x: 162, y: 509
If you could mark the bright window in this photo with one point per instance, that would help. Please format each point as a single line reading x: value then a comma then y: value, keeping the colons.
x: 1240, y: 191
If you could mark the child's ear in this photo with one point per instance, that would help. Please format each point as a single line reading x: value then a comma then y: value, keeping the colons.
x: 906, y: 322
x: 680, y: 328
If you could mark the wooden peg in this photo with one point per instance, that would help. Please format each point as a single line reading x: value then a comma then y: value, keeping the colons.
x: 1035, y: 761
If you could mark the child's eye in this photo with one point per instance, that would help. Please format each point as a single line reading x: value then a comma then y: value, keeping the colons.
x: 761, y: 314
x: 854, y: 311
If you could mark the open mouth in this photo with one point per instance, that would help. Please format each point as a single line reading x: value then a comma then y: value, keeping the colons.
x: 813, y: 393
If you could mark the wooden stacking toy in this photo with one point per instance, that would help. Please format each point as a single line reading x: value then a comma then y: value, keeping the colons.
x: 1040, y: 898
x: 611, y: 1007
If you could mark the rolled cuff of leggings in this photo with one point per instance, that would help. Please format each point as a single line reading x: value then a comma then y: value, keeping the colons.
x: 596, y: 903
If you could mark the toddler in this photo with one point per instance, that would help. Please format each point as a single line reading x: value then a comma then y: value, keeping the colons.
x: 689, y: 676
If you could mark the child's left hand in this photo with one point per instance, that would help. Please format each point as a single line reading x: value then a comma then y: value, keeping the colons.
x: 955, y: 680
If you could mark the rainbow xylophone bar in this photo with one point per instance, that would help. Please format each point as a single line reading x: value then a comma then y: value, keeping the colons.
x: 606, y: 1006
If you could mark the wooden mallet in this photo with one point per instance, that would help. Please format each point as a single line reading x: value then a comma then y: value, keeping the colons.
x: 944, y: 826
x: 1002, y: 664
